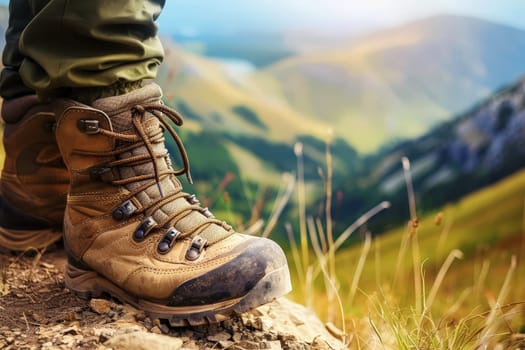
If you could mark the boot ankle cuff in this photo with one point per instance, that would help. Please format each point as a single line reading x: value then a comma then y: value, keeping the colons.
x: 87, y: 95
x: 13, y: 110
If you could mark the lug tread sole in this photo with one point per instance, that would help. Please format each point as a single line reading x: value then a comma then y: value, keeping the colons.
x: 88, y: 284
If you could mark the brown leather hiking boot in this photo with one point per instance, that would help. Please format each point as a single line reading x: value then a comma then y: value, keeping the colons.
x: 34, y: 180
x: 132, y: 232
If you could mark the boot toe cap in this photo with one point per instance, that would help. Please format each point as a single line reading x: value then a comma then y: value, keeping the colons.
x: 234, y: 279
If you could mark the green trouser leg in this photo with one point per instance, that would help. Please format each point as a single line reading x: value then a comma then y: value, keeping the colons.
x: 79, y: 48
x: 11, y: 84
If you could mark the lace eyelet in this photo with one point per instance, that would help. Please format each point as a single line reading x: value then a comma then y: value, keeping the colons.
x: 207, y: 213
x: 88, y: 126
x: 192, y: 199
x: 196, y: 248
x: 168, y: 240
x: 144, y: 228
x: 124, y: 211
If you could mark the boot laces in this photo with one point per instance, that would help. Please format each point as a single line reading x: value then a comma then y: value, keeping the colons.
x: 147, y: 137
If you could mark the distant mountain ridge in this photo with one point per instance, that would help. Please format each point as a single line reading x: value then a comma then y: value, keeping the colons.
x: 381, y: 88
x: 399, y: 82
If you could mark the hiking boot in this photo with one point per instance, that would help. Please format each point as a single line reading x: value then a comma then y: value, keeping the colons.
x: 34, y: 180
x: 132, y: 232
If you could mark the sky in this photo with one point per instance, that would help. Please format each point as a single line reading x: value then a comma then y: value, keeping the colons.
x: 321, y: 16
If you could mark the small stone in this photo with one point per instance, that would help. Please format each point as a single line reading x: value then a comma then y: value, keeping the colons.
x: 155, y: 330
x: 256, y: 312
x: 248, y: 345
x: 37, y: 317
x: 164, y: 328
x: 100, y: 306
x: 70, y: 330
x: 143, y: 341
x: 320, y: 344
x: 287, y: 337
x: 68, y: 340
x: 257, y: 324
x: 246, y: 319
x: 266, y: 324
x: 271, y: 345
x: 148, y: 323
x: 68, y: 316
x: 90, y: 343
x: 219, y: 336
x: 140, y: 316
x: 237, y: 337
x: 191, y: 345
x: 296, y: 345
x: 103, y: 334
x: 225, y: 344
x: 271, y: 335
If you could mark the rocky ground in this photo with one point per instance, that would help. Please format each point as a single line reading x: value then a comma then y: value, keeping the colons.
x: 38, y: 312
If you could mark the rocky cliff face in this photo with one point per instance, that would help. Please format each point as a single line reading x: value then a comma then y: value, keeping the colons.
x: 475, y: 149
x: 479, y: 147
x: 486, y: 136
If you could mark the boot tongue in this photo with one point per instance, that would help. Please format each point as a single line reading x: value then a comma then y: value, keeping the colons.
x: 119, y: 110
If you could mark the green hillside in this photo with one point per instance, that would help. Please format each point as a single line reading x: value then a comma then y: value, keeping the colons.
x: 214, y: 99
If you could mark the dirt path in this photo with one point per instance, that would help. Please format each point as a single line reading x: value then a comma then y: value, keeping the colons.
x: 38, y: 312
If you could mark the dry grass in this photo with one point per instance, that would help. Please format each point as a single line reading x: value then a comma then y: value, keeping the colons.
x: 422, y: 287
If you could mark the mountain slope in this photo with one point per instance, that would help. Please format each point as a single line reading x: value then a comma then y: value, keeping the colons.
x: 476, y: 149
x: 399, y: 82
x: 214, y: 98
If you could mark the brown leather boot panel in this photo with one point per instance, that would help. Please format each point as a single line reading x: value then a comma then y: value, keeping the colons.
x: 34, y: 178
x: 74, y: 136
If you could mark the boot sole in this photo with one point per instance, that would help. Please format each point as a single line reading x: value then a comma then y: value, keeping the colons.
x: 88, y: 284
x: 25, y: 240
